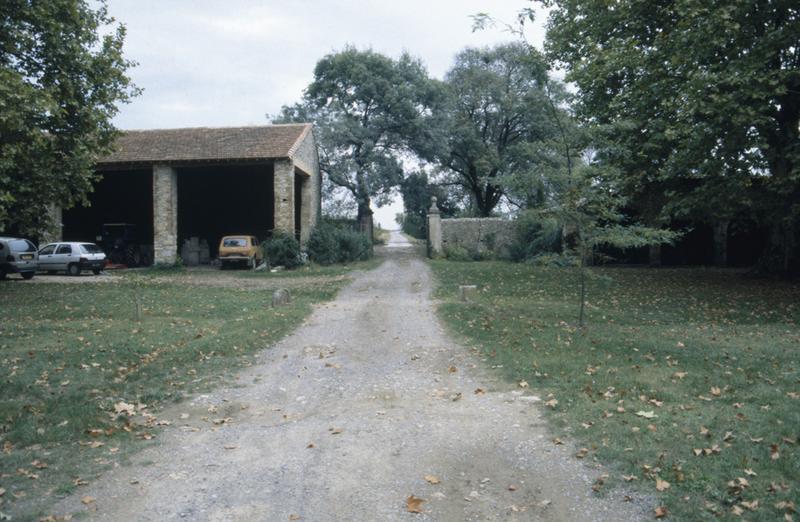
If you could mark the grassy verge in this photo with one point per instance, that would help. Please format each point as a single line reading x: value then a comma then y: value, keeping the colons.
x: 685, y: 381
x: 71, y: 355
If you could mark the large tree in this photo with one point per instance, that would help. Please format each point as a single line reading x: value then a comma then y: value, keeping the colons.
x: 370, y: 112
x: 702, y: 101
x: 62, y: 76
x: 496, y: 120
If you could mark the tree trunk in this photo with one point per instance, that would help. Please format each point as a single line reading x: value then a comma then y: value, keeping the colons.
x: 655, y: 254
x: 721, y: 243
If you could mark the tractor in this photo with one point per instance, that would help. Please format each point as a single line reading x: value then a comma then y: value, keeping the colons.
x: 122, y: 246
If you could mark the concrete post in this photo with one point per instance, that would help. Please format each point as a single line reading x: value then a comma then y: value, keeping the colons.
x: 283, y: 183
x: 434, y: 230
x: 165, y: 214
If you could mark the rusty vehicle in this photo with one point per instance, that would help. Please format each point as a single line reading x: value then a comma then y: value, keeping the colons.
x: 240, y: 250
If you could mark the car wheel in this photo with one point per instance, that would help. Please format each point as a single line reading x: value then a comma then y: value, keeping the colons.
x: 28, y: 275
x: 73, y: 270
x: 2, y: 273
x: 96, y: 271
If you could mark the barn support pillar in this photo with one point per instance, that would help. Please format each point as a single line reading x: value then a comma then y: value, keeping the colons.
x: 284, y: 196
x: 165, y: 215
x: 307, y: 209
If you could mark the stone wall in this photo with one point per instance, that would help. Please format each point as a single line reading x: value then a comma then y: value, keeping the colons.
x: 477, y: 234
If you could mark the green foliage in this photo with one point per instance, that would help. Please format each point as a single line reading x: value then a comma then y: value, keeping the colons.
x: 368, y: 111
x: 700, y: 102
x: 460, y: 253
x: 283, y: 249
x: 417, y: 192
x: 661, y: 340
x: 62, y: 77
x: 496, y: 114
x: 330, y: 244
x: 535, y: 236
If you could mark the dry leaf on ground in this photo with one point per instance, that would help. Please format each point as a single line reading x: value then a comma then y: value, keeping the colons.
x: 414, y: 504
x: 432, y: 479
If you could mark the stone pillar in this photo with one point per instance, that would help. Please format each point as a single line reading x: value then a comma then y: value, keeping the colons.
x: 165, y: 215
x: 306, y: 209
x: 434, y: 230
x: 55, y: 231
x: 283, y: 183
x: 721, y: 243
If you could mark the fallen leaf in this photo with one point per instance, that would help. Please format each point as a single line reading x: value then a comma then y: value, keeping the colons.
x: 715, y: 391
x: 432, y: 479
x: 335, y: 431
x: 551, y: 403
x: 646, y: 414
x: 452, y: 369
x: 661, y: 511
x: 774, y: 452
x: 414, y: 504
x: 582, y: 453
x: 662, y: 485
x: 87, y: 500
x: 479, y: 391
x: 294, y: 517
x: 629, y: 478
x: 523, y: 384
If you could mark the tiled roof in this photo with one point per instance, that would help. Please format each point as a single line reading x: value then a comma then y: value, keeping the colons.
x: 203, y: 144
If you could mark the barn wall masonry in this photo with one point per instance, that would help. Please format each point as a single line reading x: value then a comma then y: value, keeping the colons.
x: 306, y: 160
x: 165, y: 214
x: 284, y: 196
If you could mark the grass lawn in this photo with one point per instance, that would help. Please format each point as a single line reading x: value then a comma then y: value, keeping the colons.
x: 686, y: 381
x: 71, y: 355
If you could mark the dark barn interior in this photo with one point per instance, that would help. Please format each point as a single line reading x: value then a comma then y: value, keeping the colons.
x: 121, y: 196
x: 224, y: 200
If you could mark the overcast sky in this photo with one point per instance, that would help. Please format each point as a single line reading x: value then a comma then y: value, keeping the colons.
x: 228, y: 63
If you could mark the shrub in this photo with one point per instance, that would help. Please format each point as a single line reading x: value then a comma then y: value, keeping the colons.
x: 330, y: 244
x: 535, y: 236
x: 282, y: 249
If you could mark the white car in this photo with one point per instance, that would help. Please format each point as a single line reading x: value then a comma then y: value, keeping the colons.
x: 72, y: 257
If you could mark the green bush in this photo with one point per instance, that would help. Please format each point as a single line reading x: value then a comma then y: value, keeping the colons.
x: 534, y: 236
x: 282, y: 249
x: 330, y: 244
x: 459, y: 253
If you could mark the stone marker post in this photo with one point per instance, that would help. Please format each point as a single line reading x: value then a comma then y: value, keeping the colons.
x: 434, y: 230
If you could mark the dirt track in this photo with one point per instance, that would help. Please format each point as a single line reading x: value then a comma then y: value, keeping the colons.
x: 343, y: 419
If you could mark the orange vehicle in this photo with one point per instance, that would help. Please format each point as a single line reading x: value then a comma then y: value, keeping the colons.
x: 240, y: 250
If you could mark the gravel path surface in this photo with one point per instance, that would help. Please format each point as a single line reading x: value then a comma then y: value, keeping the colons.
x: 345, y: 418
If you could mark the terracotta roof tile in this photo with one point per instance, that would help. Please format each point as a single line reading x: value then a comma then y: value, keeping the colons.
x: 207, y: 144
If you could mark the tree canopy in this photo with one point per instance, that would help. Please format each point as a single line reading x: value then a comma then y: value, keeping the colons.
x: 62, y: 76
x: 700, y: 100
x: 369, y: 112
x: 496, y: 120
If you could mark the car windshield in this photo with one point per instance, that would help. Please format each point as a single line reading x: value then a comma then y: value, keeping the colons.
x: 90, y: 248
x: 234, y: 242
x: 21, y: 245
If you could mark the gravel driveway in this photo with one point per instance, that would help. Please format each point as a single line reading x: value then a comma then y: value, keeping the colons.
x: 345, y: 418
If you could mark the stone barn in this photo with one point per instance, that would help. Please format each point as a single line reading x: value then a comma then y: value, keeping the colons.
x: 175, y: 184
